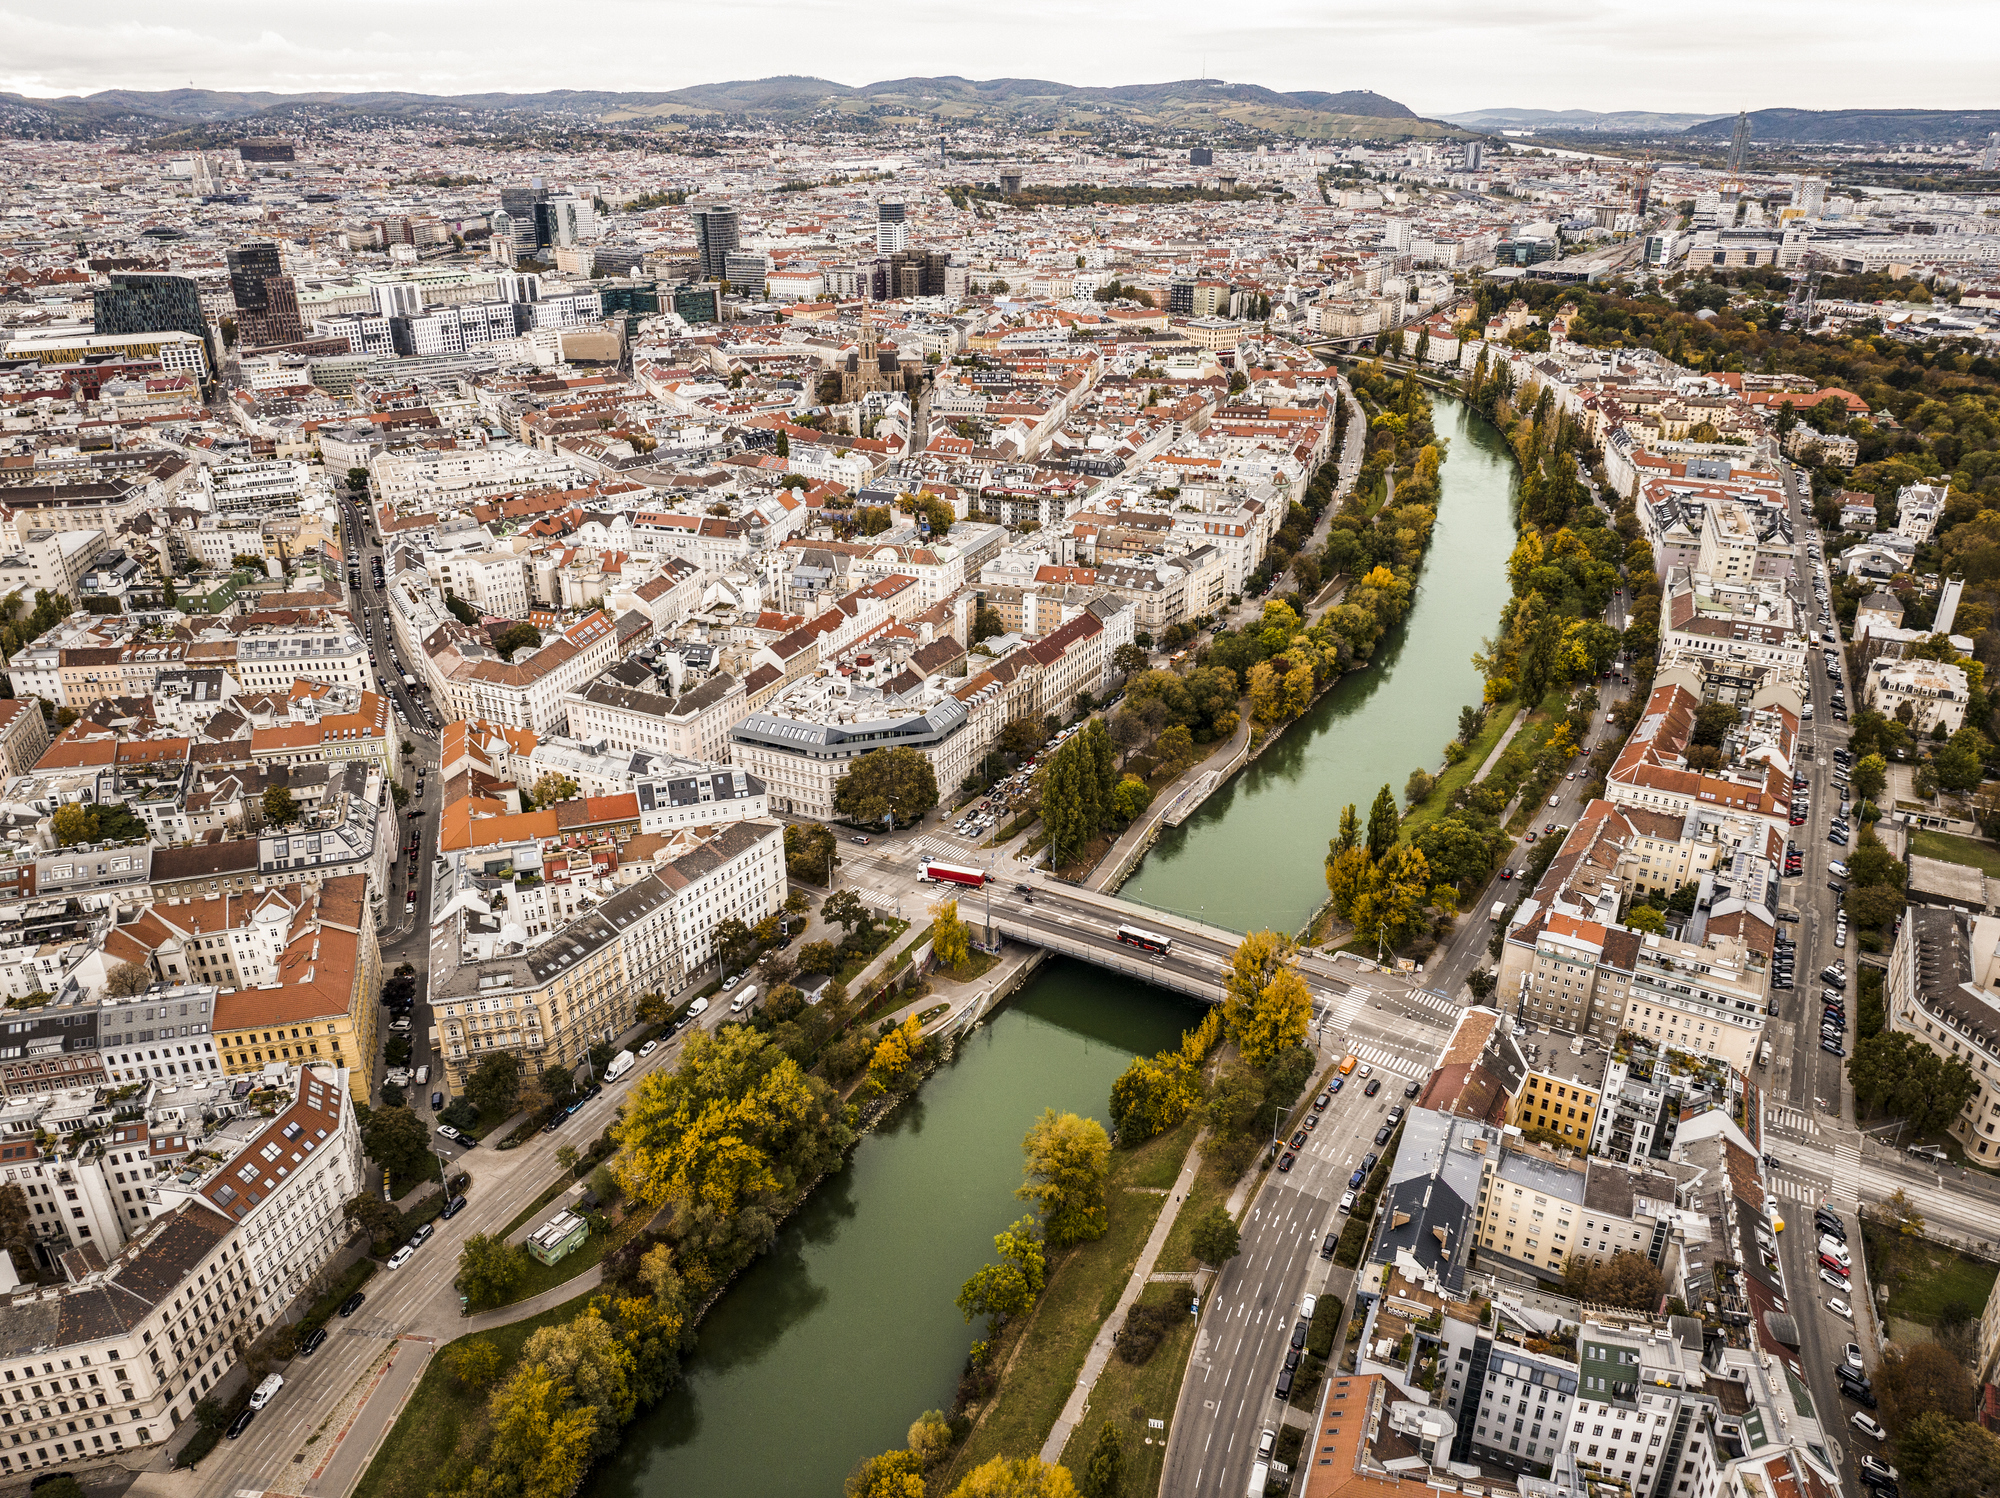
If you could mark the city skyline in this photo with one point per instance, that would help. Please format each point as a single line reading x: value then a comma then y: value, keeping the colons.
x: 1617, y: 56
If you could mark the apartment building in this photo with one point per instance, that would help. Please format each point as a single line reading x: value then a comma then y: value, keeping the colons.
x: 421, y: 476
x: 1935, y: 693
x: 330, y: 726
x: 493, y: 582
x: 529, y: 691
x: 319, y: 1006
x: 165, y: 1035
x: 1944, y: 989
x: 265, y: 656
x: 24, y: 736
x: 1538, y: 1210
x: 656, y: 709
x: 1562, y: 1091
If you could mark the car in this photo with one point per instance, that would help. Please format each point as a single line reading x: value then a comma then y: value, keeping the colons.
x: 401, y: 1256
x: 1570, y: 776
x: 1382, y: 1134
x: 240, y: 1424
x: 1827, y: 1276
x: 1299, y: 1333
x: 1828, y: 1261
x: 1368, y: 1161
x: 1312, y: 1120
x: 452, y: 1134
x: 1832, y: 1048
x: 1555, y: 801
x: 1299, y: 1139
x: 1550, y: 827
x: 1354, y: 1181
x: 352, y: 1304
x: 1875, y: 1467
x: 1826, y: 1222
x: 1320, y: 1102
x: 1373, y: 1087
x: 437, y: 1101
x: 452, y: 1208
x: 1790, y: 916
x: 1835, y: 973
x: 1327, y: 1247
x: 649, y: 1047
x: 1863, y: 1397
x: 555, y: 1123
x: 1529, y: 836
x: 1411, y: 1089
x: 1286, y: 1161
x: 1396, y: 1114
x: 731, y: 981
x: 312, y: 1343
x: 1854, y: 1360
x: 1336, y: 1084
x: 1840, y: 1307
x: 858, y: 838
x: 1307, y: 1306
x: 1506, y: 874
x: 1347, y: 1201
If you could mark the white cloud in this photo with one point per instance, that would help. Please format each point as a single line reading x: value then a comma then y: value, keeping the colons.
x: 1434, y: 55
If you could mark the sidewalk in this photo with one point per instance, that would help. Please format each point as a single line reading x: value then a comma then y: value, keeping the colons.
x: 1100, y: 1349
x: 1136, y: 836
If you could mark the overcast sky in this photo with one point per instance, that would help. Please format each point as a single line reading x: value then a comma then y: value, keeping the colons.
x: 1437, y: 56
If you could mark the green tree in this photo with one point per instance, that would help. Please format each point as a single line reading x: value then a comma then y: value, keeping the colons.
x: 1645, y: 918
x: 74, y: 823
x: 1945, y: 1458
x: 1073, y: 801
x: 1870, y: 775
x: 819, y: 957
x: 1418, y: 787
x: 515, y: 638
x: 809, y: 853
x: 1067, y: 1159
x: 460, y: 610
x: 898, y: 782
x: 1105, y: 1469
x: 495, y: 1084
x: 128, y: 980
x: 475, y: 1364
x: 1130, y: 798
x: 1026, y: 1477
x: 280, y: 809
x: 1007, y: 1289
x: 397, y: 1141
x: 1215, y: 1239
x: 550, y: 790
x: 1919, y: 1380
x: 893, y: 1474
x: 1384, y: 823
x: 734, y: 943
x: 490, y: 1268
x: 1962, y: 761
x: 17, y: 1234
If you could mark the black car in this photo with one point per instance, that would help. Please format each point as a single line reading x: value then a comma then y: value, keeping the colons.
x: 311, y: 1344
x: 1299, y: 1333
x: 453, y: 1207
x: 1292, y: 1356
x: 1326, y: 1249
x: 241, y: 1423
x: 1832, y: 1226
x: 1368, y: 1161
x: 1284, y: 1389
x: 1286, y: 1161
x: 437, y: 1101
x: 1382, y: 1134
x: 1299, y: 1140
x: 1833, y: 1047
x: 1320, y: 1102
x: 1411, y: 1090
x: 352, y: 1304
x: 1863, y: 1397
x: 1374, y: 1086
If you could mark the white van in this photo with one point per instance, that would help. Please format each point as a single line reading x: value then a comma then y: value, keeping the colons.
x: 743, y: 998
x: 267, y: 1391
x: 698, y: 1008
x: 423, y: 1075
x: 1260, y: 1475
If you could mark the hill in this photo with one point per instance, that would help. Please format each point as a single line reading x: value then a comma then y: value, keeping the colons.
x: 1030, y: 103
x: 1623, y: 121
x: 1856, y: 126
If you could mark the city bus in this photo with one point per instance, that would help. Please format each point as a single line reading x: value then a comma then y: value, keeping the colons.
x: 1144, y: 940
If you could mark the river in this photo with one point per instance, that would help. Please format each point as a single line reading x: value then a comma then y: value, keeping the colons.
x: 832, y: 1343
x: 1253, y: 856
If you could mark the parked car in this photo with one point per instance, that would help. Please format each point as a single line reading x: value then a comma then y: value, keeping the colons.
x: 1373, y: 1087
x: 1347, y: 1201
x: 1382, y: 1134
x: 241, y: 1423
x: 1854, y: 1358
x: 401, y: 1256
x: 1286, y: 1161
x: 312, y: 1343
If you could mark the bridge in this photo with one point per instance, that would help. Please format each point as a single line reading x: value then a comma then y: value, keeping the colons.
x: 1404, y: 1024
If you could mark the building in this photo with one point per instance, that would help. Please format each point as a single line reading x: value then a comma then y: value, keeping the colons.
x: 718, y: 234
x: 1944, y: 989
x: 1563, y: 1088
x: 658, y: 710
x: 267, y: 299
x: 1922, y: 693
x: 153, y: 302
x: 319, y: 1006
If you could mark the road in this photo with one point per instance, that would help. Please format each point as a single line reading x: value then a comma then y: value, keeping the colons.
x: 416, y: 1301
x: 1228, y: 1397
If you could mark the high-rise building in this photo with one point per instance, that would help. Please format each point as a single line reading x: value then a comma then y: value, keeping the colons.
x: 892, y: 233
x: 572, y: 221
x: 717, y: 231
x: 1475, y: 155
x: 745, y: 271
x: 501, y: 225
x: 1201, y: 156
x: 267, y: 300
x: 1991, y: 159
x: 153, y: 302
x: 1809, y: 195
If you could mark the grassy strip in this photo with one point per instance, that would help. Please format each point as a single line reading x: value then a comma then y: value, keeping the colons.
x: 1129, y: 1397
x: 587, y: 1254
x: 444, y: 1420
x: 1950, y: 848
x: 888, y: 931
x: 1925, y: 1277
x: 1083, y: 1289
x: 537, y: 1204
x: 1458, y: 776
x: 1211, y: 1188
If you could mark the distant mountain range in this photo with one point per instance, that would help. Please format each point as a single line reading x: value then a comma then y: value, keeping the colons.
x: 1623, y: 121
x: 1771, y: 126
x: 1186, y: 105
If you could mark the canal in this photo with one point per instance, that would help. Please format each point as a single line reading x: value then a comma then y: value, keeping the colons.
x: 832, y: 1343
x: 1253, y: 856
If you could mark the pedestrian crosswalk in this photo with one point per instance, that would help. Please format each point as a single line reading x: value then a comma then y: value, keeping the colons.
x: 1430, y: 998
x: 1847, y: 1170
x: 943, y: 847
x: 1798, y: 1191
x: 1793, y: 1119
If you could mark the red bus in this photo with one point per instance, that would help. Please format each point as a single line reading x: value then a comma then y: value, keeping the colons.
x: 953, y: 873
x: 1144, y: 940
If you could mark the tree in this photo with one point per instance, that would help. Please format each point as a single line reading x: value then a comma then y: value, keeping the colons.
x: 1944, y: 1458
x: 1417, y: 787
x: 1471, y: 719
x: 930, y: 1437
x: 1074, y: 801
x: 1129, y: 660
x: 951, y: 938
x: 1067, y: 1159
x: 889, y: 1068
x: 1919, y: 1380
x: 1962, y: 762
x: 1105, y: 1469
x: 558, y: 1081
x: 1482, y: 981
x: 540, y: 1447
x: 808, y: 852
x: 74, y: 822
x: 1268, y: 1006
x: 734, y: 943
x: 475, y: 1364
x: 1384, y: 822
x: 1215, y: 1239
x: 893, y: 1474
x: 819, y: 957
x: 551, y: 790
x: 1175, y: 751
x: 1028, y: 1477
x: 495, y: 1084
x: 517, y: 637
x: 17, y: 1236
x: 397, y: 1141
x: 1627, y: 1280
x: 1007, y: 1289
x: 378, y: 1219
x: 588, y: 1356
x: 889, y: 782
x: 1645, y: 918
x: 1130, y: 798
x: 280, y: 808
x: 489, y: 1268
x: 128, y: 980
x: 1871, y: 773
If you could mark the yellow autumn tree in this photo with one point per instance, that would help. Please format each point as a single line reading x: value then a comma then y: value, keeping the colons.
x: 890, y: 1066
x: 951, y: 938
x: 1028, y: 1477
x: 1268, y: 1007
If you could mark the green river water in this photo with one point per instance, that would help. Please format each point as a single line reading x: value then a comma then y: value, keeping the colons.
x: 827, y: 1348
